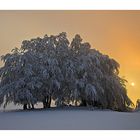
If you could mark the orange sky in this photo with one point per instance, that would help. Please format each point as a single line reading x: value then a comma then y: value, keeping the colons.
x: 116, y: 33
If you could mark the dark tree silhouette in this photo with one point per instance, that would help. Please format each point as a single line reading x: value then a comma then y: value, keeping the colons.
x: 138, y: 104
x: 52, y: 68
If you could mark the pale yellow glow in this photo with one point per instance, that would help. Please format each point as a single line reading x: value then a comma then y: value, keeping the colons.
x: 132, y: 84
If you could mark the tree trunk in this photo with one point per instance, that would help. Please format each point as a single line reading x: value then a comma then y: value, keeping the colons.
x: 25, y: 106
x: 83, y: 103
x: 32, y: 106
x: 49, y: 101
x: 29, y: 106
x: 44, y: 103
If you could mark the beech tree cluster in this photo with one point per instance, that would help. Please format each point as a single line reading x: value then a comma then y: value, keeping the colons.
x: 52, y: 68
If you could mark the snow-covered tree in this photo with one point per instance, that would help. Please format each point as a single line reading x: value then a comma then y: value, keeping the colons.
x: 52, y: 68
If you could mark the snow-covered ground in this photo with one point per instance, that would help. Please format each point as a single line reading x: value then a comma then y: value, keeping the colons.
x: 69, y: 119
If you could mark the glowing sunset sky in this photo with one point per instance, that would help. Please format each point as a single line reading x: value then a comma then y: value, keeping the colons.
x: 116, y: 33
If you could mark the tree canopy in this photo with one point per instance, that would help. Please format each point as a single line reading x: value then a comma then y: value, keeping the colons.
x: 53, y: 68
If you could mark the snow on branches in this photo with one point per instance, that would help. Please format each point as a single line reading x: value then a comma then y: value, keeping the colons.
x: 52, y: 68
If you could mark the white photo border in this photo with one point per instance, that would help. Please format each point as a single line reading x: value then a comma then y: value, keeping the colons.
x: 69, y: 5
